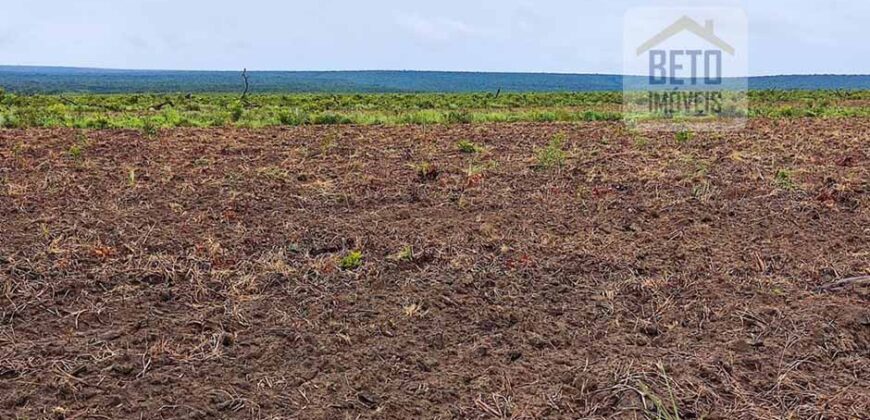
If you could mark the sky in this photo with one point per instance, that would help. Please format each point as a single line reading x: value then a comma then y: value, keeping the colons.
x: 560, y: 36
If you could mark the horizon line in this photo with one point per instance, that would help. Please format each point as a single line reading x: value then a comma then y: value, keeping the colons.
x: 118, y: 69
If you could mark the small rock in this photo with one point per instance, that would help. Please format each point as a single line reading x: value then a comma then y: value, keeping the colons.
x: 370, y: 400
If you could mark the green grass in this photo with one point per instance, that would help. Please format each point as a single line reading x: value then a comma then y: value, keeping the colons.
x: 152, y: 112
x: 660, y: 407
x: 552, y: 155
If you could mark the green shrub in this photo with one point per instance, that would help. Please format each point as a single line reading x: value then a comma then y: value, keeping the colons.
x: 351, y: 261
x: 236, y: 112
x: 294, y: 117
x: 8, y: 120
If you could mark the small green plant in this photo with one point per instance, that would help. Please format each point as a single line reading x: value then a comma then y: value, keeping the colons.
x: 351, y: 261
x: 406, y: 254
x: 426, y: 171
x: 467, y: 146
x: 783, y: 179
x: 683, y: 136
x: 552, y: 155
x: 75, y: 151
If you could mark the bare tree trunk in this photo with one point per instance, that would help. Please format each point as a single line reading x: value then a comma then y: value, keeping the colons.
x: 244, y: 98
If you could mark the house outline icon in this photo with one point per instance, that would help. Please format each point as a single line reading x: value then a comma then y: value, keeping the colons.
x: 686, y: 23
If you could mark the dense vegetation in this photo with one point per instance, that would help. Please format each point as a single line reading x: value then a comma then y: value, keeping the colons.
x: 66, y: 80
x: 152, y: 111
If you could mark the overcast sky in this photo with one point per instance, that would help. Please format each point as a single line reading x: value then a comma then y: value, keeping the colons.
x: 570, y: 36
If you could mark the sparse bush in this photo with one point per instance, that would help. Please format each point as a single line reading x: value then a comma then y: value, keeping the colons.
x: 236, y: 112
x: 467, y: 146
x: 294, y: 117
x: 544, y: 116
x: 787, y: 112
x: 329, y: 118
x: 99, y: 123
x: 351, y: 261
x: 149, y: 127
x: 8, y: 120
x: 460, y: 117
x: 421, y: 117
x: 552, y: 155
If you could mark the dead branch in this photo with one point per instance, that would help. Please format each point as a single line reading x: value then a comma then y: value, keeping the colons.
x: 851, y: 281
x: 160, y: 106
x: 69, y: 101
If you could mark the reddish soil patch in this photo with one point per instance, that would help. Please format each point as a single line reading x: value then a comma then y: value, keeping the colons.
x: 198, y: 274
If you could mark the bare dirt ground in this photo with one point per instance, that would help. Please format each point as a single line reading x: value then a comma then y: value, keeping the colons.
x: 197, y: 274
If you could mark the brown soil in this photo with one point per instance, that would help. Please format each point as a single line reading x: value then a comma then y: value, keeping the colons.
x: 198, y: 274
